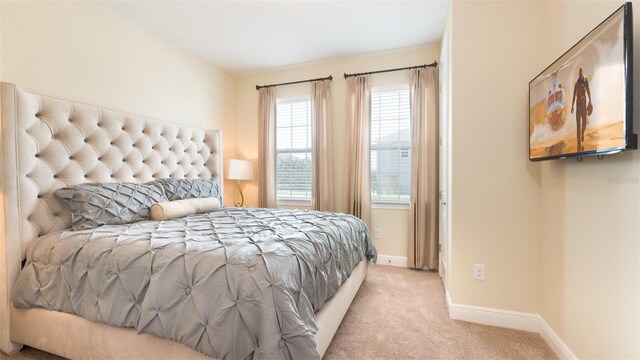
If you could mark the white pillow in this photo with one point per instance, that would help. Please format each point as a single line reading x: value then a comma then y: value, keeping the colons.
x: 181, y: 208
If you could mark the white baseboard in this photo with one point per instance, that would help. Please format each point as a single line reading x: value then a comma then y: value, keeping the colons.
x: 555, y: 343
x: 392, y: 260
x: 495, y: 317
x: 511, y: 320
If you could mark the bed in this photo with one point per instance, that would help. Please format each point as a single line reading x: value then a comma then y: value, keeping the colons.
x: 50, y: 143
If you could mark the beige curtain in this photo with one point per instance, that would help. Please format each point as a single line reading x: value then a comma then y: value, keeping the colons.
x: 322, y: 160
x: 423, y: 211
x: 267, y: 147
x: 357, y: 150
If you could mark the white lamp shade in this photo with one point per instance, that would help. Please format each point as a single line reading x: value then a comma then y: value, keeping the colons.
x: 240, y: 170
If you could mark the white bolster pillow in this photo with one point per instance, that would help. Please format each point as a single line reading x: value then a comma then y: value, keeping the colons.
x: 181, y: 208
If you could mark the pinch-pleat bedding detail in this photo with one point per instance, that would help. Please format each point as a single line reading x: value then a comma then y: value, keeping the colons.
x: 234, y: 284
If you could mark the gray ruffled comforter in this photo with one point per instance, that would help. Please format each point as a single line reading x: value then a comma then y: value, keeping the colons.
x: 239, y: 283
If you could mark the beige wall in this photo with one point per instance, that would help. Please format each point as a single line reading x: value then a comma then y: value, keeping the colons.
x: 392, y: 223
x: 558, y: 238
x: 83, y: 51
x: 589, y: 216
x: 495, y: 190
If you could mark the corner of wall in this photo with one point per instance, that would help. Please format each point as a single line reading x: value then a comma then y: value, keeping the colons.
x: 589, y: 245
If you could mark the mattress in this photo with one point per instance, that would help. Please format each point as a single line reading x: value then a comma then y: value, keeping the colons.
x: 233, y: 284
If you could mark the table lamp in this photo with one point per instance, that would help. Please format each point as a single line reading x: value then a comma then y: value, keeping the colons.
x: 239, y: 170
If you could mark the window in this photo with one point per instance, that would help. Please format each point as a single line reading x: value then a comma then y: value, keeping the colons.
x: 293, y: 149
x: 390, y: 145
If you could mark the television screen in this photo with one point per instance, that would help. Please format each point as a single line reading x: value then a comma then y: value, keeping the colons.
x: 581, y: 104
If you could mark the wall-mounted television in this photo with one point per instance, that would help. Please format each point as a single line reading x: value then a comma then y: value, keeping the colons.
x: 582, y: 104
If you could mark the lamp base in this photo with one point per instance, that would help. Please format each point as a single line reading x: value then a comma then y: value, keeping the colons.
x: 238, y: 197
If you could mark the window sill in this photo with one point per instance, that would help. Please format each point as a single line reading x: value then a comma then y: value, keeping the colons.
x: 303, y: 203
x: 390, y: 206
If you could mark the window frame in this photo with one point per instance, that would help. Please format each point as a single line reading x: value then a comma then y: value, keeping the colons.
x: 293, y: 201
x: 395, y: 204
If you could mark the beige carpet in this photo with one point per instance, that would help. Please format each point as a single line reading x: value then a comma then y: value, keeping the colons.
x: 401, y: 314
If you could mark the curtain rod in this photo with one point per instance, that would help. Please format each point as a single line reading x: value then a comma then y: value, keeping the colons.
x: 330, y: 78
x: 433, y: 64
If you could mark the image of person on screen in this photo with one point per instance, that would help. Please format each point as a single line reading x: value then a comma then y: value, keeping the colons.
x: 580, y: 92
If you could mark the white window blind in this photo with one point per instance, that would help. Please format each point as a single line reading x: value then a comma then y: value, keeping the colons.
x: 390, y: 145
x: 293, y: 149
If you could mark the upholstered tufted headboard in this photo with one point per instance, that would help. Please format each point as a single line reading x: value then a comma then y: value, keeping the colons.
x: 49, y: 143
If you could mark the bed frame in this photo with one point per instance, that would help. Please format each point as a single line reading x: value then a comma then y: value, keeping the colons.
x: 49, y: 143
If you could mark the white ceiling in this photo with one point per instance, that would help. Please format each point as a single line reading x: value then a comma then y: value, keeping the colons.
x: 250, y: 36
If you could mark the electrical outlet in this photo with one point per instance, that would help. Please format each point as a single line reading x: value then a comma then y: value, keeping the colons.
x: 478, y: 271
x: 377, y: 233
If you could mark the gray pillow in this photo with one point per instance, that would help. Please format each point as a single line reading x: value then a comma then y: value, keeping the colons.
x: 180, y: 189
x: 93, y: 205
